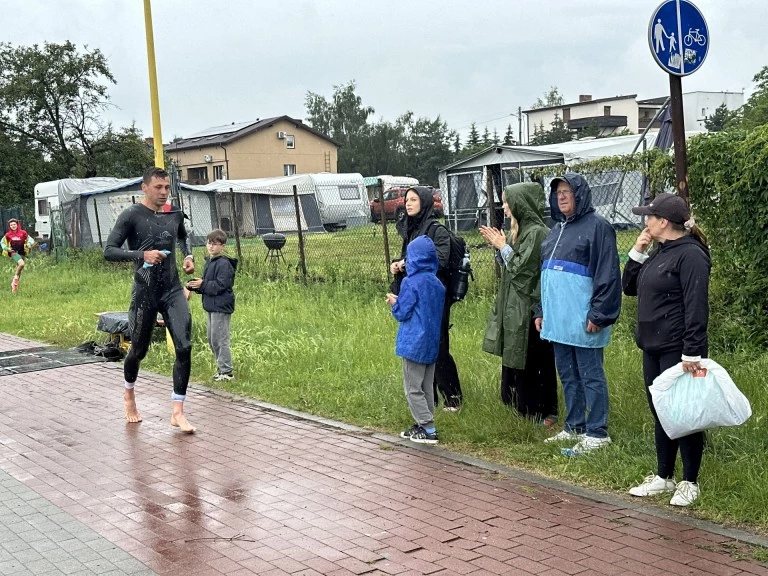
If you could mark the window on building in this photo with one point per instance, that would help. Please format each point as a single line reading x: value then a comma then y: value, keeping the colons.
x: 566, y: 114
x: 290, y: 141
x: 606, y: 110
x: 218, y: 172
x: 198, y: 174
x: 289, y: 169
x: 349, y: 192
x: 703, y: 111
x: 42, y: 207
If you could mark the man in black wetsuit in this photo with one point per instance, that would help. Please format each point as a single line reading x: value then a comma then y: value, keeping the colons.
x: 151, y: 235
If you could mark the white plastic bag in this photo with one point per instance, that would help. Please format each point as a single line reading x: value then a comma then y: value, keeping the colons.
x: 691, y: 402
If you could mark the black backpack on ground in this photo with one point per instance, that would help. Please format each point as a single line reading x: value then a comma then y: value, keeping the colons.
x: 459, y: 267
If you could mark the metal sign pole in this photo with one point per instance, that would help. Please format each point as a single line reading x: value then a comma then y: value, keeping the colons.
x: 678, y: 130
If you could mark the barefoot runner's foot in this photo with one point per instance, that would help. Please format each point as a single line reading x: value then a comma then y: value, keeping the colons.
x: 132, y: 414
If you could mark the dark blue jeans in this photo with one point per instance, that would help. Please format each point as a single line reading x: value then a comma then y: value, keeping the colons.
x: 585, y: 389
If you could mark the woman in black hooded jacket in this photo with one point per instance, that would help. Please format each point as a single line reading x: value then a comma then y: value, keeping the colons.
x: 672, y: 286
x: 420, y: 220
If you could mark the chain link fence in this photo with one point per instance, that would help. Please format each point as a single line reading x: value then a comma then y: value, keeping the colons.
x: 335, y: 228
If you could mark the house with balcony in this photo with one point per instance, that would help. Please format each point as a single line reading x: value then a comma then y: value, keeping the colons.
x: 610, y: 116
x: 607, y: 115
x: 279, y: 146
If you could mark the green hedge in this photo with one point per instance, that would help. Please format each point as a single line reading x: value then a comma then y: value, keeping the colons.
x: 728, y: 182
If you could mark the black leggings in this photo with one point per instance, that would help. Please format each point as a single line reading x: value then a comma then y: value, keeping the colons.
x: 146, y: 302
x: 446, y: 373
x: 691, y: 446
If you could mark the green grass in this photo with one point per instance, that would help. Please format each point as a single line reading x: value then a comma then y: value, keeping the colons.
x: 328, y: 349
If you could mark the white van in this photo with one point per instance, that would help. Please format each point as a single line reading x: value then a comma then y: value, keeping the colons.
x: 46, y: 197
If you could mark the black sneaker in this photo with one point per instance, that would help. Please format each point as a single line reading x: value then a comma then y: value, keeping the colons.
x: 421, y: 436
x: 410, y: 432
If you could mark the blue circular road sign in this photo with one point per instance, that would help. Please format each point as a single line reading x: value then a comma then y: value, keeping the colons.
x: 678, y: 37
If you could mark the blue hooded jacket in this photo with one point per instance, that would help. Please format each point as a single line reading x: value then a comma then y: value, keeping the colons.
x: 419, y: 306
x: 580, y: 275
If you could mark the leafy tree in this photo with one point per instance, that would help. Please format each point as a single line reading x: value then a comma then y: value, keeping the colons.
x: 121, y: 154
x: 426, y: 146
x: 414, y: 146
x: 754, y: 113
x: 53, y: 97
x: 345, y: 120
x: 551, y: 98
x: 558, y: 133
x: 21, y: 168
x: 509, y: 136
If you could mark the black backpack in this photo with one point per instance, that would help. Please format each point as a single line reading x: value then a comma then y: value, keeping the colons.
x: 459, y: 267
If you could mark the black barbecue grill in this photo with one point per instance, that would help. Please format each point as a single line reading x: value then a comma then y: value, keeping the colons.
x: 274, y: 243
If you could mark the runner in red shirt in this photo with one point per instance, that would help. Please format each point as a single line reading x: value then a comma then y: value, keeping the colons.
x: 16, y: 244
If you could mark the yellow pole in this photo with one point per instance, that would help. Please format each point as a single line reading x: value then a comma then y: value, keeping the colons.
x: 157, y: 132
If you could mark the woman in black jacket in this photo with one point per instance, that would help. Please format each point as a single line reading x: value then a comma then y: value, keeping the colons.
x: 672, y: 286
x: 420, y: 220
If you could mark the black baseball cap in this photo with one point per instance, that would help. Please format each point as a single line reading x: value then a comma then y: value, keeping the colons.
x: 666, y: 205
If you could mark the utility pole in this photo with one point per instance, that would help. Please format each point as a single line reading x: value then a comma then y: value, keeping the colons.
x: 153, y: 97
x: 519, y: 126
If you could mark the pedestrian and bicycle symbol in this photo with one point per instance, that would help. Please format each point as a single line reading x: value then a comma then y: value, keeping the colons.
x: 678, y: 37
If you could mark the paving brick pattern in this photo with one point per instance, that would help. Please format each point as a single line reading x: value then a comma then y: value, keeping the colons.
x: 36, y: 537
x: 260, y: 491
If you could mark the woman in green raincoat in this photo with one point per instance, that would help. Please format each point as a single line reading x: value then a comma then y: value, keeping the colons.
x: 528, y: 375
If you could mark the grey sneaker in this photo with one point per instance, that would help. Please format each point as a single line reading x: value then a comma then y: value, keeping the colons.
x: 223, y: 377
x: 410, y: 432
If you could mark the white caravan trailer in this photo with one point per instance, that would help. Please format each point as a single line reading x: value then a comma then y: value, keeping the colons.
x: 342, y: 199
x: 46, y: 197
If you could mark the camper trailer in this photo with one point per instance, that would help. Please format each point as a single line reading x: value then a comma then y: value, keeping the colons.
x: 342, y: 200
x: 46, y: 197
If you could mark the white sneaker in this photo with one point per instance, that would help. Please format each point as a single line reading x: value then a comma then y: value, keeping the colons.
x: 686, y: 494
x: 585, y: 445
x: 653, y: 485
x: 564, y: 436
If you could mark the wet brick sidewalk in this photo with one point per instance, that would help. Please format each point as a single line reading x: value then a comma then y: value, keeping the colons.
x: 269, y: 492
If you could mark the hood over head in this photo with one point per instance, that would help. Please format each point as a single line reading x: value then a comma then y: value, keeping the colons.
x: 421, y: 256
x: 526, y: 202
x: 581, y: 191
x: 427, y: 206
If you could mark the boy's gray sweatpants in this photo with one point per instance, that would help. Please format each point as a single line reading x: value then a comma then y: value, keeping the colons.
x: 218, y: 339
x: 418, y: 382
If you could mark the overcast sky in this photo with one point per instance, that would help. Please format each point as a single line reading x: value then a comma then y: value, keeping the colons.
x: 223, y: 61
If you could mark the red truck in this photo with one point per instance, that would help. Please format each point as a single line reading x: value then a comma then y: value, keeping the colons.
x: 394, y: 204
